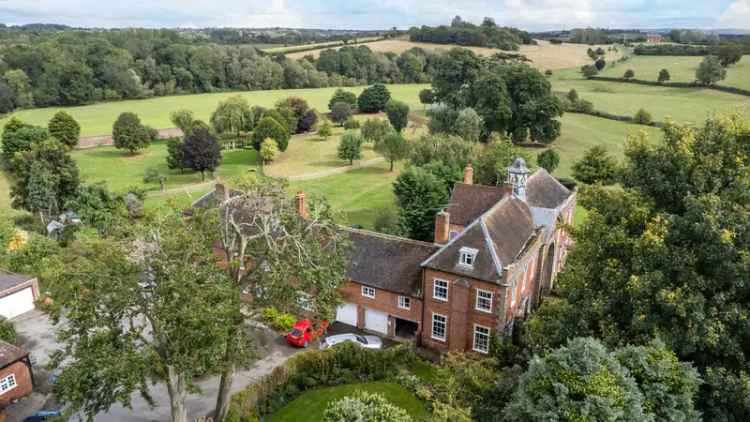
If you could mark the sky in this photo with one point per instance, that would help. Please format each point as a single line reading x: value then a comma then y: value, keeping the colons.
x: 531, y: 15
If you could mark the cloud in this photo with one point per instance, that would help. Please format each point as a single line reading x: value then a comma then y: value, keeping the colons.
x: 737, y: 15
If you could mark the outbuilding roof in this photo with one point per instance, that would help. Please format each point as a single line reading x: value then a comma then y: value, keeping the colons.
x: 10, y: 353
x: 387, y: 262
x: 9, y: 280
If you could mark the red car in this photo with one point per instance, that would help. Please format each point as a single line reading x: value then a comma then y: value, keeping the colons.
x: 304, y: 332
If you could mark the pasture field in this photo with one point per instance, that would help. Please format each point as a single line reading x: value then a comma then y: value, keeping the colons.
x: 298, y: 47
x: 681, y: 69
x: 684, y: 105
x: 97, y: 119
x: 543, y: 56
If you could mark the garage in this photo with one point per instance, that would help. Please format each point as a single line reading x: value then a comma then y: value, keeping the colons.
x: 347, y: 313
x: 376, y: 321
x: 17, y: 294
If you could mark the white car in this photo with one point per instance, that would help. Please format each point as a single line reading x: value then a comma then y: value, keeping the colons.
x: 368, y: 342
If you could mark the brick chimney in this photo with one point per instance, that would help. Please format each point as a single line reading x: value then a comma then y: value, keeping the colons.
x: 221, y: 192
x: 469, y: 175
x: 442, y: 227
x: 301, y: 207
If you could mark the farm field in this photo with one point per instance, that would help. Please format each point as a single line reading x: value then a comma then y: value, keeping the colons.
x: 97, y: 119
x: 543, y: 56
x: 684, y: 105
x: 681, y: 69
x: 283, y: 49
x: 311, y: 405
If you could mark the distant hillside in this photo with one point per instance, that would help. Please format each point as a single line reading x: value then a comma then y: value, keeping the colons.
x: 460, y: 32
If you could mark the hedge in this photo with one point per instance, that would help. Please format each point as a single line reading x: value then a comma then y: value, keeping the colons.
x: 344, y: 364
x: 722, y: 88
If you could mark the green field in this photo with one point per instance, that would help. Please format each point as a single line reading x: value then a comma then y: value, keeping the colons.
x: 97, y: 119
x: 681, y: 69
x: 314, y: 46
x: 311, y: 405
x: 684, y: 105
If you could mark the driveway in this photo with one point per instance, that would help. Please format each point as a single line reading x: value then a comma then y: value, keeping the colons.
x: 37, y: 335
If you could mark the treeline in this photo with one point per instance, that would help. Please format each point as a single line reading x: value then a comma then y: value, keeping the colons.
x: 281, y: 36
x: 689, y: 49
x: 73, y: 68
x: 460, y: 32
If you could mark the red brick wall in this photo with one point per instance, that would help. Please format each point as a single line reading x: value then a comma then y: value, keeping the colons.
x: 23, y: 382
x: 384, y: 301
x: 460, y: 310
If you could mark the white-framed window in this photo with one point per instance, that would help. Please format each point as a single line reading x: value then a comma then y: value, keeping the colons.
x: 368, y: 292
x: 8, y: 383
x: 467, y: 256
x: 439, y: 327
x: 481, y: 339
x: 484, y: 300
x: 440, y: 290
x: 404, y: 302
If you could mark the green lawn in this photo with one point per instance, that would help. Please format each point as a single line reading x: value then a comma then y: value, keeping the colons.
x: 684, y: 105
x: 121, y: 170
x: 311, y: 405
x: 681, y: 69
x: 97, y: 119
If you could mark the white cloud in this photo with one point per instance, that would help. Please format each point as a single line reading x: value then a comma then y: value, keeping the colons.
x: 737, y: 15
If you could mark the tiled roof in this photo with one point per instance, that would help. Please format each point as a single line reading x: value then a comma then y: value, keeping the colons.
x: 468, y: 202
x: 387, y: 262
x: 10, y: 353
x: 544, y: 191
x: 499, y: 235
x: 9, y: 280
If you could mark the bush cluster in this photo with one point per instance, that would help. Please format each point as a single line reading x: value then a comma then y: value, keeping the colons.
x: 279, y: 320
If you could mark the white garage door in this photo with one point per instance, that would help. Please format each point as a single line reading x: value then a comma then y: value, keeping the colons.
x: 347, y: 313
x: 17, y: 303
x: 376, y: 321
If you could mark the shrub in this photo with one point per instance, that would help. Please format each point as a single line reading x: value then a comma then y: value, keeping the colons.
x: 325, y: 130
x: 426, y: 96
x: 373, y: 99
x: 351, y: 123
x: 152, y: 175
x: 600, y: 64
x: 341, y: 112
x: 269, y: 150
x: 589, y: 71
x: 548, y: 160
x: 629, y: 74
x: 548, y: 72
x: 572, y: 95
x: 268, y: 127
x: 642, y: 117
x: 350, y: 147
x: 596, y: 166
x: 175, y: 154
x: 280, y: 321
x: 364, y: 406
x: 375, y: 130
x: 7, y: 331
x: 664, y: 76
x: 341, y: 96
x: 307, y: 122
x: 469, y: 125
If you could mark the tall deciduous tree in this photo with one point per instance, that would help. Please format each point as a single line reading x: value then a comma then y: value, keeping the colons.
x: 285, y: 260
x: 131, y: 311
x: 398, y: 114
x: 375, y: 130
x: 232, y: 116
x: 710, y: 71
x: 373, y: 99
x: 420, y: 195
x: 268, y: 127
x: 20, y: 84
x: 469, y: 125
x: 350, y: 147
x: 129, y: 134
x: 65, y: 129
x: 18, y: 137
x: 341, y: 112
x: 393, y: 147
x: 201, y: 152
x: 182, y: 119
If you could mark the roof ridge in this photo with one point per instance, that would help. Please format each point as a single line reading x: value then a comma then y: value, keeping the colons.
x: 491, y: 246
x: 542, y: 171
x: 388, y: 236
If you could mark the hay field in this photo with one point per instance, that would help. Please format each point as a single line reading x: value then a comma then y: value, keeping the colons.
x: 543, y: 56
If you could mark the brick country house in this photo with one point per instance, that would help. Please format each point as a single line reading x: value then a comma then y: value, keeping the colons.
x: 495, y: 253
x: 16, y: 377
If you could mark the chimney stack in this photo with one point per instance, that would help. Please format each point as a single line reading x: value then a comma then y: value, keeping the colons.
x: 301, y: 207
x: 468, y: 175
x: 442, y: 227
x: 221, y: 192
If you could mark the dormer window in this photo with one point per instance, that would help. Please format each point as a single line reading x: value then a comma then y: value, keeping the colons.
x: 467, y: 256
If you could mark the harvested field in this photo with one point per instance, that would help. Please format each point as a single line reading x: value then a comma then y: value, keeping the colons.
x: 544, y: 55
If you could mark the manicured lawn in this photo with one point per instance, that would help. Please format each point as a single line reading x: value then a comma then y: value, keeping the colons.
x: 681, y: 69
x: 684, y: 105
x: 311, y: 405
x: 121, y: 170
x: 97, y: 119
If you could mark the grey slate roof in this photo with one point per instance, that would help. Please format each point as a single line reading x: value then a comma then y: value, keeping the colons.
x: 387, y: 262
x: 9, y: 280
x: 499, y: 235
x: 544, y: 191
x: 468, y: 202
x: 10, y: 354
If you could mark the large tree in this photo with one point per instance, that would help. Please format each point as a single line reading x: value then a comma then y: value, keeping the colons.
x: 201, y: 152
x: 420, y: 195
x: 132, y: 311
x: 373, y: 99
x: 398, y: 114
x: 667, y: 255
x: 18, y: 137
x: 291, y: 261
x: 233, y: 116
x: 65, y: 129
x: 350, y: 146
x: 129, y: 134
x: 710, y: 71
x: 392, y: 147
